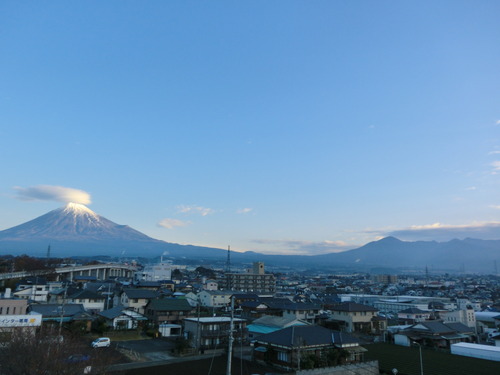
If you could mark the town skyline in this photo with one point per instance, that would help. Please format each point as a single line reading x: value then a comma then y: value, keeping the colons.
x: 270, y: 127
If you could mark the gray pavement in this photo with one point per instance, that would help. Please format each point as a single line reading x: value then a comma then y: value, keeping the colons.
x: 150, y: 353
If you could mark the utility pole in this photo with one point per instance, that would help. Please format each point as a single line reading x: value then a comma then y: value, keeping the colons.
x: 108, y: 296
x: 228, y: 261
x: 231, y: 338
x: 62, y: 310
x: 198, y: 327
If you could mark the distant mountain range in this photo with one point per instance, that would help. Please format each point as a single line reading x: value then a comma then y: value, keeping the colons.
x: 75, y: 230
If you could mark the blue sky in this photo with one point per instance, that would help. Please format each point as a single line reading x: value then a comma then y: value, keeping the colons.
x: 297, y: 127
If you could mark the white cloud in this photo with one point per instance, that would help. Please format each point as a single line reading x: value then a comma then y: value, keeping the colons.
x: 52, y: 193
x: 244, y: 210
x: 172, y: 223
x: 493, y: 152
x: 498, y: 122
x: 471, y: 188
x: 446, y: 232
x: 496, y: 166
x: 203, y: 211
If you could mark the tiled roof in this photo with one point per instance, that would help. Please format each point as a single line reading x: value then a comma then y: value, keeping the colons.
x: 277, y: 321
x: 86, y: 294
x: 413, y: 310
x: 433, y: 326
x: 140, y: 293
x: 303, y: 336
x: 219, y: 292
x: 120, y: 311
x: 353, y: 307
x: 169, y: 304
x: 51, y: 310
x: 460, y: 327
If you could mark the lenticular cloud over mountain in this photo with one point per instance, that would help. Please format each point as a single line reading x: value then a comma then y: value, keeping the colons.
x: 52, y: 193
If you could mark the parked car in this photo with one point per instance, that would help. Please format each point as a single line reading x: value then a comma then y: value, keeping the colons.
x: 101, y: 342
x: 76, y: 358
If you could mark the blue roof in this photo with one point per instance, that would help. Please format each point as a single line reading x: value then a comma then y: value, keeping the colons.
x: 261, y: 329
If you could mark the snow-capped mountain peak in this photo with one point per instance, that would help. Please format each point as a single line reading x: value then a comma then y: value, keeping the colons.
x: 78, y: 209
x: 74, y: 222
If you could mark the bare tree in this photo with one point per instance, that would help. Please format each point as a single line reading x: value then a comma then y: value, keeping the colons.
x: 33, y: 353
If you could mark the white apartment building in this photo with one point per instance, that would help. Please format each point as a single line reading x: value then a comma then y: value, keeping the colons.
x: 464, y: 316
x: 156, y: 272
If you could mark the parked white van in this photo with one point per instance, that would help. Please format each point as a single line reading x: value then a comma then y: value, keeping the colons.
x: 101, y: 342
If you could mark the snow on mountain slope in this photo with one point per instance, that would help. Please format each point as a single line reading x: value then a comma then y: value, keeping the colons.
x: 74, y: 222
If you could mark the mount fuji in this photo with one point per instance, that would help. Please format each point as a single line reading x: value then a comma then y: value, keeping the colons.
x: 77, y: 230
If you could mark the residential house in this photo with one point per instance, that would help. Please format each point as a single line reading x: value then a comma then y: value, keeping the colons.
x: 36, y: 289
x: 210, y: 285
x: 239, y: 298
x: 168, y: 310
x: 91, y: 301
x: 412, y: 315
x: 60, y: 295
x: 306, y: 312
x: 288, y: 347
x: 192, y: 299
x: 435, y: 334
x: 121, y: 318
x: 215, y: 298
x: 268, y: 323
x: 167, y: 284
x: 353, y: 317
x: 147, y: 284
x: 256, y: 309
x: 213, y: 332
x: 66, y: 313
x: 137, y: 299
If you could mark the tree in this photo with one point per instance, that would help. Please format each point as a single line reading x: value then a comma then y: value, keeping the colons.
x: 181, y: 345
x: 27, y: 263
x: 34, y: 353
x: 177, y: 274
x: 336, y: 357
x: 205, y: 272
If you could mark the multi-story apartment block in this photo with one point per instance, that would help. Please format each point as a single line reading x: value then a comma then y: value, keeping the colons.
x: 255, y: 280
x: 385, y: 279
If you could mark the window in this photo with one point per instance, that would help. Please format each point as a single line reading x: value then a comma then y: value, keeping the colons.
x: 283, y: 356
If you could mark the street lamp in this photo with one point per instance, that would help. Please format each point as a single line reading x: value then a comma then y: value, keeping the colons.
x: 420, y: 352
